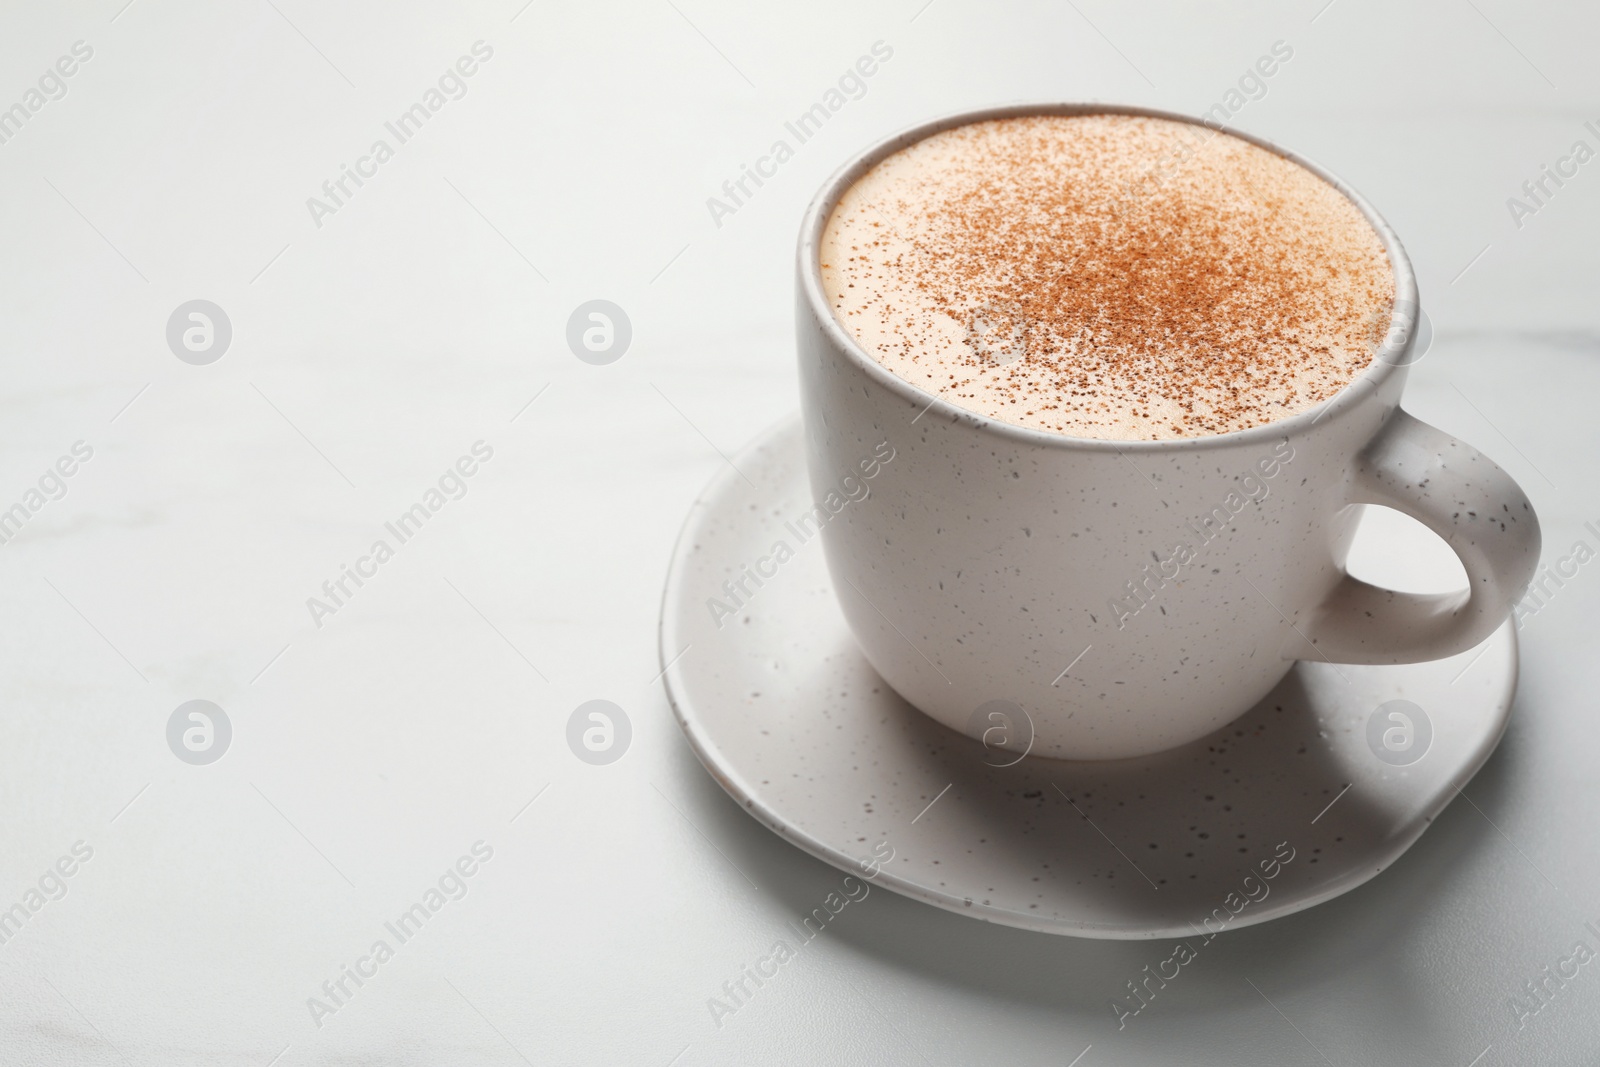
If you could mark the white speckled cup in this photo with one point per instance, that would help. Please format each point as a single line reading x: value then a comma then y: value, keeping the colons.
x: 1132, y: 596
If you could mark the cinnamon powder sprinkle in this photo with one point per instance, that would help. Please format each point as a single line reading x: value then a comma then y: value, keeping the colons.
x: 1108, y: 276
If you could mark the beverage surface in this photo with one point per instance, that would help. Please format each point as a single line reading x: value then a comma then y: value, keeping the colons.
x: 1108, y: 276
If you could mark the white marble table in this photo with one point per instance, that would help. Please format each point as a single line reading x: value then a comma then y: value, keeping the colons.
x: 377, y: 338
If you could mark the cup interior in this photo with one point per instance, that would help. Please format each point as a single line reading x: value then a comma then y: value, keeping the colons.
x: 1392, y: 355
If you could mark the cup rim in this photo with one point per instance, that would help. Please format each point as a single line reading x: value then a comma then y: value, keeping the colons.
x: 1385, y: 361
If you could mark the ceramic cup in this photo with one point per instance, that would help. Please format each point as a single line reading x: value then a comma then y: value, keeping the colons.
x: 1131, y: 596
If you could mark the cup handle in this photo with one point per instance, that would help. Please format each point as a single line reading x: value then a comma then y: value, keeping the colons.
x: 1464, y: 497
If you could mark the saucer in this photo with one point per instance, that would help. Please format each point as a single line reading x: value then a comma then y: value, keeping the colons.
x: 1310, y: 793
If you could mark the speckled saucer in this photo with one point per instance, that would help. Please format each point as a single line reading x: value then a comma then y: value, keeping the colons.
x: 791, y: 720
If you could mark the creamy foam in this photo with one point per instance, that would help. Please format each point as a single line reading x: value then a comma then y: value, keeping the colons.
x: 1108, y: 276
